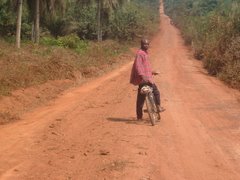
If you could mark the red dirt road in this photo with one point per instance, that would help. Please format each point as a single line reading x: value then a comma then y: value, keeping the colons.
x: 90, y: 132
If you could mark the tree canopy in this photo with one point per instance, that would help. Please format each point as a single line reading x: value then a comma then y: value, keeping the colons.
x: 89, y: 19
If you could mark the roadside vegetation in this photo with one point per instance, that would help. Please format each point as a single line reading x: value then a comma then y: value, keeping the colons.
x: 34, y: 65
x: 212, y: 28
x: 65, y: 39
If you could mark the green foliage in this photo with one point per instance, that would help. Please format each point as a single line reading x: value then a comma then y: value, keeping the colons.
x: 86, y: 22
x: 56, y: 26
x: 71, y: 41
x: 38, y: 64
x: 119, y: 19
x: 212, y: 28
x: 135, y: 19
x: 7, y: 20
x: 231, y: 71
x: 126, y: 23
x: 49, y: 41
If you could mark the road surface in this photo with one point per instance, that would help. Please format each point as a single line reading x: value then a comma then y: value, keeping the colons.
x: 90, y: 132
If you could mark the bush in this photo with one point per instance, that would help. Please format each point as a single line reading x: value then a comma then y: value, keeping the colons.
x: 71, y: 41
x: 56, y: 26
x: 135, y: 19
x: 126, y: 23
x: 49, y: 41
x: 231, y: 70
x: 212, y: 28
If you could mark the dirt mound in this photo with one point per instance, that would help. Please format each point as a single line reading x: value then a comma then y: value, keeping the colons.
x: 22, y: 100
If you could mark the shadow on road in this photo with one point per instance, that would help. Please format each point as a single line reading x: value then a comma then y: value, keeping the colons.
x: 127, y: 120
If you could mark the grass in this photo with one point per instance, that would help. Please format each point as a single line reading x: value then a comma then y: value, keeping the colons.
x: 34, y: 65
x: 6, y: 117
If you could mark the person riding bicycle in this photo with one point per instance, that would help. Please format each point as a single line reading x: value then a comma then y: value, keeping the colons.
x: 141, y: 75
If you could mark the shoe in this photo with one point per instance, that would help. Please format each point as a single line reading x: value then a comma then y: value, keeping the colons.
x: 160, y: 109
x: 139, y: 119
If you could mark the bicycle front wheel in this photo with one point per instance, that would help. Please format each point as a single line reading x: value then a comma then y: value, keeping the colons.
x: 152, y: 109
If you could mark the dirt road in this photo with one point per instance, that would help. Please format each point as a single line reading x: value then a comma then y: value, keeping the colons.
x: 90, y: 132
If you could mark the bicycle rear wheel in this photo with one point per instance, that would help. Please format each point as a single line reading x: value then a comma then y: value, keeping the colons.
x: 152, y: 109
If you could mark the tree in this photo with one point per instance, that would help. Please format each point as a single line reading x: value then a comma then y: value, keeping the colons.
x: 104, y: 7
x: 45, y: 8
x: 19, y: 22
x: 36, y: 22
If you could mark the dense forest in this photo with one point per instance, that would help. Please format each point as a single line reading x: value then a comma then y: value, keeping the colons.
x: 96, y: 19
x: 212, y: 28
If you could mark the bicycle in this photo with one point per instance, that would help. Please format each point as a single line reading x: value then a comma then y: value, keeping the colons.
x: 152, y: 109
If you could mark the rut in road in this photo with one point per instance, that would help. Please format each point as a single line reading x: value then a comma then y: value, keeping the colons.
x: 90, y: 132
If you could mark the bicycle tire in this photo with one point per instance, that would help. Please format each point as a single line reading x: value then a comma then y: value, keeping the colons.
x: 152, y: 109
x: 156, y: 110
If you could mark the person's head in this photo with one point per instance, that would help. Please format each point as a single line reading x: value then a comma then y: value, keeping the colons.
x: 144, y: 44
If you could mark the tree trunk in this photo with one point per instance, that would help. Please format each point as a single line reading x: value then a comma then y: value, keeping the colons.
x: 33, y: 32
x: 37, y: 21
x: 99, y: 28
x: 19, y: 24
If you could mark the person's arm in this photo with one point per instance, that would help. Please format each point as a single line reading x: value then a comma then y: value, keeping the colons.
x: 155, y: 72
x: 140, y: 67
x: 145, y: 79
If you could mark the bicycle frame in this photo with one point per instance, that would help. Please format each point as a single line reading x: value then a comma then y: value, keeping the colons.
x: 153, y: 112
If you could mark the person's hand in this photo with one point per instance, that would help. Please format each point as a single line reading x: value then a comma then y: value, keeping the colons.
x: 155, y: 73
x: 145, y: 79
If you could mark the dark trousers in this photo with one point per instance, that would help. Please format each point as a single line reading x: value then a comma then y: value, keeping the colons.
x: 141, y: 98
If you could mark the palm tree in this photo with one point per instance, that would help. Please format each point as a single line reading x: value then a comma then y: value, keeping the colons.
x: 19, y: 22
x: 36, y: 22
x: 16, y: 5
x: 44, y: 7
x: 103, y: 6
